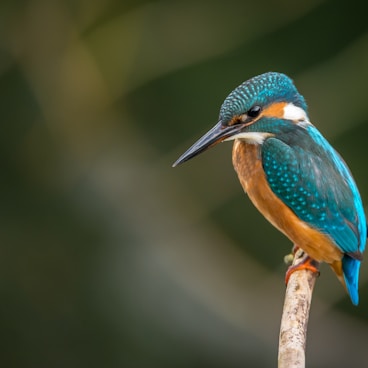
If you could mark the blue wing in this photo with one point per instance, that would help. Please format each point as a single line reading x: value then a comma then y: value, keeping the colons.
x: 307, y: 174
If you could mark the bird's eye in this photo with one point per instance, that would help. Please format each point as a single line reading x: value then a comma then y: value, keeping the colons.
x: 254, y: 111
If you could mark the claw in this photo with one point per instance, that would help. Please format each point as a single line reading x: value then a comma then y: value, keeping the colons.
x: 307, y: 264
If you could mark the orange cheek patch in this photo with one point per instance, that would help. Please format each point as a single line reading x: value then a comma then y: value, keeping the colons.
x: 275, y: 110
x: 235, y: 120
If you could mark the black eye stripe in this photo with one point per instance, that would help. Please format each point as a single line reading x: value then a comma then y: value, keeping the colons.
x: 254, y: 111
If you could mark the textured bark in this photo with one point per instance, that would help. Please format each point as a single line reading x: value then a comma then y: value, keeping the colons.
x: 294, y: 321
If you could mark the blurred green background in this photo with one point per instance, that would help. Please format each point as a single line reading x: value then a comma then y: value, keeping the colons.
x: 111, y: 258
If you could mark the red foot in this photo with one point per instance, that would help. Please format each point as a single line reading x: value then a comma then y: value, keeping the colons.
x: 307, y: 264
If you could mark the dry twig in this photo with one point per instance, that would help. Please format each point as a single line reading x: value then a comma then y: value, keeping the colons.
x: 294, y: 321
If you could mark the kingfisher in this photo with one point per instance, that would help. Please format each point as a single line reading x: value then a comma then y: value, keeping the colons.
x: 292, y: 174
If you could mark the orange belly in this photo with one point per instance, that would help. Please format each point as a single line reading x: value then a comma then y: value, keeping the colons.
x: 248, y: 165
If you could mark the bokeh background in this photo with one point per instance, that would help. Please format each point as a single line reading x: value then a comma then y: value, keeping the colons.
x: 111, y: 258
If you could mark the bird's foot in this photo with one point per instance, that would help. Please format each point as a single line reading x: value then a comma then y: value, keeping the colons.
x: 307, y: 263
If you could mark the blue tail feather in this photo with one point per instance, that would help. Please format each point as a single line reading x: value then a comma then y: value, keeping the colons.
x: 350, y: 268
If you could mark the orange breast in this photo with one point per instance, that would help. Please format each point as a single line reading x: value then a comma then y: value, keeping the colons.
x: 248, y: 165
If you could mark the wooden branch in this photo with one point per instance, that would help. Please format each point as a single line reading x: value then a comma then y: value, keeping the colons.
x: 294, y: 321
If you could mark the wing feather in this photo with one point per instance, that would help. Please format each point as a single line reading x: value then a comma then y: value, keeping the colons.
x: 307, y: 174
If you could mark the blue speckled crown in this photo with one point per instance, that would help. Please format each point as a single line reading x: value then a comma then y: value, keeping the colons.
x: 261, y: 90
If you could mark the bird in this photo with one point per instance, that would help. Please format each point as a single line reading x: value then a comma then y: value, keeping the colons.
x: 292, y: 174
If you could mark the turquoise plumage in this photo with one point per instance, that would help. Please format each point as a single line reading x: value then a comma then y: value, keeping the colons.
x: 292, y: 174
x: 315, y: 183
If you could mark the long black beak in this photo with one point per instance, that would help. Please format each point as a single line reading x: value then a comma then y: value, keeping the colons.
x: 216, y: 135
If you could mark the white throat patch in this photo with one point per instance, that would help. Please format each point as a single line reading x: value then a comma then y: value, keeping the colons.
x: 251, y: 137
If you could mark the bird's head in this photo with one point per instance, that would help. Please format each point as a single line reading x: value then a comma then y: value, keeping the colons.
x: 266, y: 105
